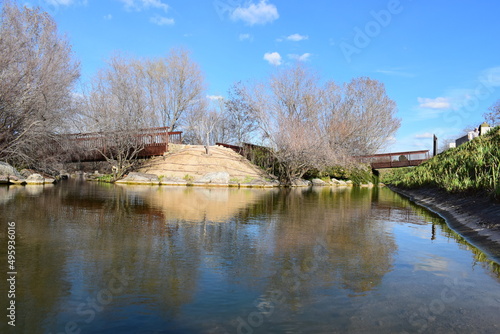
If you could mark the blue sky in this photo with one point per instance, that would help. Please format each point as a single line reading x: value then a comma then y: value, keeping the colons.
x: 439, y: 60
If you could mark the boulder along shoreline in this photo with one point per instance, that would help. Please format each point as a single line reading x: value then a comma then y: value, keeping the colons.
x: 474, y: 217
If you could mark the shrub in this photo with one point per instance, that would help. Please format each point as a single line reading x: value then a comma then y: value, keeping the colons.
x: 108, y: 178
x: 471, y: 167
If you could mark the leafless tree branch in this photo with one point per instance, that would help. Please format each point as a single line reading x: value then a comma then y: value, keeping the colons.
x: 37, y: 75
x: 313, y: 126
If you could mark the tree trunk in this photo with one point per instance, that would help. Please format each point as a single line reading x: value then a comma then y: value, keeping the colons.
x: 207, y: 146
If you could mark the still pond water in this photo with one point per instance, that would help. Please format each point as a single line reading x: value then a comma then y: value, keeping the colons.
x: 94, y: 258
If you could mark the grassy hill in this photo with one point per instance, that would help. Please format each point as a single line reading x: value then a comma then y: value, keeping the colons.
x: 470, y: 168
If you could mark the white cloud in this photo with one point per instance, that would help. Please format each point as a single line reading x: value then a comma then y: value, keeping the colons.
x: 215, y: 97
x: 424, y: 135
x: 303, y: 57
x: 396, y: 72
x: 491, y: 77
x: 391, y: 140
x: 155, y: 4
x: 426, y: 113
x: 432, y: 108
x: 437, y: 103
x: 162, y: 21
x: 139, y: 5
x: 108, y: 17
x: 273, y: 58
x: 297, y: 38
x: 129, y: 4
x: 260, y: 13
x: 244, y: 37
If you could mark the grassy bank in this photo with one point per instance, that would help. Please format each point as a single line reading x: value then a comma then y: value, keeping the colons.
x: 470, y: 168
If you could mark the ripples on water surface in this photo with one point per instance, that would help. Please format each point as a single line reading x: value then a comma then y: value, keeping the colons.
x: 142, y: 259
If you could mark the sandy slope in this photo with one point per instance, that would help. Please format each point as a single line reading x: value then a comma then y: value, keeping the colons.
x: 191, y: 160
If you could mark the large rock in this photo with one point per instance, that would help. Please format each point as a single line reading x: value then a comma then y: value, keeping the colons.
x: 9, y: 175
x: 7, y: 170
x: 319, y: 183
x: 215, y: 177
x: 173, y: 181
x: 25, y: 173
x: 300, y: 183
x: 38, y: 179
x: 339, y: 182
x: 260, y: 183
x: 140, y: 178
x: 35, y: 179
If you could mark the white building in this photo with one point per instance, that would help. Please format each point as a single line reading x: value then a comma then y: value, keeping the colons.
x: 482, y: 130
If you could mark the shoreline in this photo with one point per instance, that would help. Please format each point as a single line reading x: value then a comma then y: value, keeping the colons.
x: 476, y: 218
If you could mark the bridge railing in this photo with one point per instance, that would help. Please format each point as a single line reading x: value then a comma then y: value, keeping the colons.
x: 153, y: 140
x: 396, y: 159
x: 175, y: 137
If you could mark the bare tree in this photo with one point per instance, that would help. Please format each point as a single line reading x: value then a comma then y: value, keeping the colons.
x: 37, y: 74
x: 117, y: 112
x: 175, y: 87
x: 288, y: 110
x: 312, y: 126
x: 360, y: 116
x: 203, y: 125
x: 239, y: 121
x: 224, y: 129
x: 211, y: 121
x: 445, y: 143
x: 493, y: 117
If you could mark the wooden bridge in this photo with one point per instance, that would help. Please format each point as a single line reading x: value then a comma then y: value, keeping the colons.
x: 151, y: 142
x: 377, y: 161
x: 395, y: 160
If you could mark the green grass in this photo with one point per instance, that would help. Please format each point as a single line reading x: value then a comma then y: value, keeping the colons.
x: 106, y: 178
x: 471, y: 167
x: 358, y: 174
x: 247, y: 179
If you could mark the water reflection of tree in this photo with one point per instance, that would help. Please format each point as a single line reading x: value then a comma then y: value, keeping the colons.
x: 72, y: 239
x: 126, y: 233
x: 38, y: 257
x: 287, y: 225
x: 296, y: 241
x: 276, y: 232
x: 358, y: 250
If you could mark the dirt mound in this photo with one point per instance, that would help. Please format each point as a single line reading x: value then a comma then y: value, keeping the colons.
x: 191, y: 161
